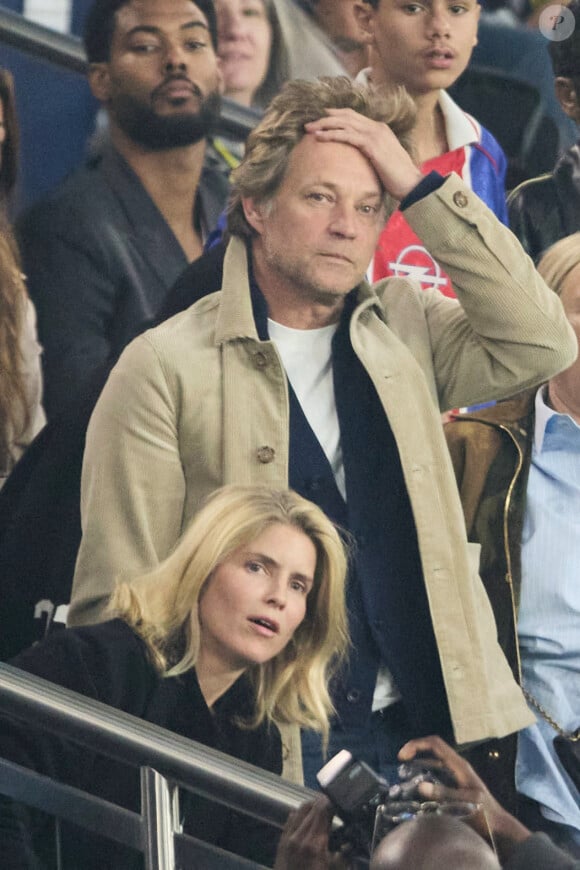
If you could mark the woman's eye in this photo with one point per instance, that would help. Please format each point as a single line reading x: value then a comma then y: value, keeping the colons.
x: 299, y: 586
x: 254, y: 567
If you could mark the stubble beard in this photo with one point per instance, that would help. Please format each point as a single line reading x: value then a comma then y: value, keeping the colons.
x: 299, y: 280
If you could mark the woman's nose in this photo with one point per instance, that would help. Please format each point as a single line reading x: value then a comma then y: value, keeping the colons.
x: 277, y: 593
x: 230, y: 24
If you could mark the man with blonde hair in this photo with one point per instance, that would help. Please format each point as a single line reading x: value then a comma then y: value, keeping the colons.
x: 297, y: 372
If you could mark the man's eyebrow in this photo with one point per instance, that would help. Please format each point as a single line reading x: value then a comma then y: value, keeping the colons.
x: 335, y: 187
x: 157, y: 31
x: 195, y: 23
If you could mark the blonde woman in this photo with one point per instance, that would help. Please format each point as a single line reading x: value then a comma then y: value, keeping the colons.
x: 21, y: 413
x: 238, y: 630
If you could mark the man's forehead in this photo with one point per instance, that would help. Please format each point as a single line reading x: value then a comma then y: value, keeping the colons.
x: 159, y: 14
x: 335, y: 164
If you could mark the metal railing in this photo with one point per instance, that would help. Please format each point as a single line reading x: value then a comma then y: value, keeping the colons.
x: 167, y: 761
x: 68, y: 52
x: 57, y: 48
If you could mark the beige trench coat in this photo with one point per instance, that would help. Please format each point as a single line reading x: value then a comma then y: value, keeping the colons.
x: 200, y: 401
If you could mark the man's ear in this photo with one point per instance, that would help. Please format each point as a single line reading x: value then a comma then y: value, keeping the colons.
x: 365, y: 16
x: 478, y: 13
x: 255, y: 213
x: 99, y: 81
x: 221, y: 82
x: 567, y: 97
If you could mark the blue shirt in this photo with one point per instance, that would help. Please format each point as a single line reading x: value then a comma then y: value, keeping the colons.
x: 549, y: 614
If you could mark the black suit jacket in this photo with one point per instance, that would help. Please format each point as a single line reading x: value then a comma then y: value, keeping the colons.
x: 546, y: 209
x: 99, y: 258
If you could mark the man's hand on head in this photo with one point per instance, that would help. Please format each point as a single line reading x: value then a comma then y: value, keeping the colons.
x: 393, y: 165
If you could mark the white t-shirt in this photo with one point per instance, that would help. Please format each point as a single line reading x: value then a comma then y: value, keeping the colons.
x: 306, y: 355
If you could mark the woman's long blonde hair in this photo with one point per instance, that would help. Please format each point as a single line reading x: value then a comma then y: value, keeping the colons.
x: 162, y: 606
x: 14, y: 411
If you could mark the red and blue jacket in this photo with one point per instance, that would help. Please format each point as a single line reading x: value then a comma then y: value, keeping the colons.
x: 478, y: 159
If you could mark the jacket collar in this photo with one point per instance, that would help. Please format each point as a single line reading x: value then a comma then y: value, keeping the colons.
x: 235, y: 318
x: 242, y: 306
x: 460, y: 128
x: 140, y: 210
x: 149, y: 230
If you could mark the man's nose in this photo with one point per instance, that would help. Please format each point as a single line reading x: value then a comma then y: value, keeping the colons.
x: 231, y: 25
x: 343, y: 221
x: 439, y: 21
x: 175, y: 58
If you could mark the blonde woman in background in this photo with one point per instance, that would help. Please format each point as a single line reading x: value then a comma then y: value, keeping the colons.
x: 21, y: 413
x: 261, y: 45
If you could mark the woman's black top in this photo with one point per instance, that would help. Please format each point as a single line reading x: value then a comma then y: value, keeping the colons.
x: 109, y: 663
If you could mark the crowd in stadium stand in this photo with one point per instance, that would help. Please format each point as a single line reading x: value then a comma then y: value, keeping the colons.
x: 287, y: 417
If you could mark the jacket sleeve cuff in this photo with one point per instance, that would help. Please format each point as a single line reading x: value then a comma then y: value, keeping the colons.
x: 427, y: 185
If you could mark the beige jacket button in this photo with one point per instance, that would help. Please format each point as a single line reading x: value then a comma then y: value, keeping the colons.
x: 260, y: 360
x: 460, y: 199
x: 265, y: 454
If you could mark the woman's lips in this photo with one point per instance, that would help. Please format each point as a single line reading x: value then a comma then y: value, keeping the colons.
x: 265, y: 626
